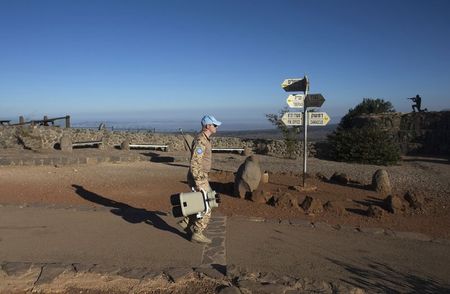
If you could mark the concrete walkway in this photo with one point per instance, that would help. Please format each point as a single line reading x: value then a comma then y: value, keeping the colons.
x: 125, y: 238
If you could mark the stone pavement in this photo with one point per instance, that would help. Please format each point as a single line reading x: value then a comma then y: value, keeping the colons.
x: 50, y: 249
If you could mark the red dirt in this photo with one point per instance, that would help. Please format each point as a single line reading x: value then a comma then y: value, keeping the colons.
x: 148, y: 185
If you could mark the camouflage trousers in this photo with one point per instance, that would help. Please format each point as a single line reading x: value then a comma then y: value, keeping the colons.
x: 196, y: 224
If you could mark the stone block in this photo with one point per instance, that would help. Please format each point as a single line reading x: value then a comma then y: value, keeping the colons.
x: 312, y: 205
x: 381, y: 182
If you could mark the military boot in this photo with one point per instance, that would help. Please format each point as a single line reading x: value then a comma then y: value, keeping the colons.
x: 200, y: 238
x: 183, y: 223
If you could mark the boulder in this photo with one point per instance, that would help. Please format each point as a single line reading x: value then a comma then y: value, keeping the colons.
x: 394, y: 204
x: 312, y: 205
x: 125, y: 145
x: 414, y: 200
x: 286, y: 200
x: 296, y: 188
x: 247, y: 177
x: 339, y: 178
x: 66, y: 143
x: 260, y: 196
x: 335, y: 207
x: 381, y: 182
x: 375, y: 211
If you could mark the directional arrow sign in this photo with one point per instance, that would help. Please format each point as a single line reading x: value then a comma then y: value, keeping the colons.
x: 296, y: 100
x: 314, y: 100
x: 295, y: 85
x: 292, y: 118
x: 318, y: 119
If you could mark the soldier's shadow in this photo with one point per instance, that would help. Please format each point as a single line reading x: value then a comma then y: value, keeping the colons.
x: 129, y: 213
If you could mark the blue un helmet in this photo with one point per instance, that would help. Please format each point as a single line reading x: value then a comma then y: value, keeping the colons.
x: 210, y: 120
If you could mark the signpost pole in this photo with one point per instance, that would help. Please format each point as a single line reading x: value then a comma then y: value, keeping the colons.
x: 305, y: 131
x: 295, y: 119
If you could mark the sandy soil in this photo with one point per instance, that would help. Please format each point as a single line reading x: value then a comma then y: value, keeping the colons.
x: 149, y: 185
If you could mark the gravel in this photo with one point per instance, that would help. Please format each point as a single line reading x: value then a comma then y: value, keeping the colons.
x: 429, y: 175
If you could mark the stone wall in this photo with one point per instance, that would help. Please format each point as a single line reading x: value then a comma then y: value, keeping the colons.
x: 30, y: 137
x: 49, y: 137
x: 424, y: 133
x: 8, y: 138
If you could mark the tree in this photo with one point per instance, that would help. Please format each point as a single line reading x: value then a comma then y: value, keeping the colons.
x: 365, y: 144
x: 290, y: 134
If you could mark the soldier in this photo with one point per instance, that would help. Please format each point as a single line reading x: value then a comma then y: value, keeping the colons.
x: 197, y: 177
x: 418, y: 101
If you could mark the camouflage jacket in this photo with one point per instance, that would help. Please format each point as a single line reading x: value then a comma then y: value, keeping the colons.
x: 201, y: 158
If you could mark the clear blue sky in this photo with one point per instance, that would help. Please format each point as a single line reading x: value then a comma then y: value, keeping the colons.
x: 176, y: 60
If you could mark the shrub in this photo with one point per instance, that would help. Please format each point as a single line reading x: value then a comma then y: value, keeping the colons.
x: 367, y: 144
x: 367, y: 106
x: 364, y: 145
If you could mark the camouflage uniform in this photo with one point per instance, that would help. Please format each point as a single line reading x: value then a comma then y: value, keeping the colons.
x: 197, y: 177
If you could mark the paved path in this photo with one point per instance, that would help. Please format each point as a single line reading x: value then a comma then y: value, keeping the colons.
x: 370, y: 260
x: 130, y: 238
x: 122, y: 237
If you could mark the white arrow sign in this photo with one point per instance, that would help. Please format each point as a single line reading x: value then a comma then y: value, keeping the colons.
x: 318, y: 119
x: 292, y: 118
x: 295, y: 85
x: 314, y: 118
x: 296, y: 100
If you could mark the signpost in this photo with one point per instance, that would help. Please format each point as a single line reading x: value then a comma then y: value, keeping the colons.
x: 304, y: 101
x: 314, y: 119
x: 295, y: 85
x: 296, y: 100
x: 318, y: 119
x: 314, y: 100
x: 292, y: 118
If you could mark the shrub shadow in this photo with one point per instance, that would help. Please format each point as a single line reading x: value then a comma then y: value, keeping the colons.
x: 155, y: 157
x: 430, y: 160
x: 350, y: 184
x: 223, y: 188
x: 372, y: 201
x: 378, y: 277
x: 357, y: 211
x: 367, y: 202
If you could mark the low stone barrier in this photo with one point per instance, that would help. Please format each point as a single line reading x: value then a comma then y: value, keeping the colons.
x: 49, y: 137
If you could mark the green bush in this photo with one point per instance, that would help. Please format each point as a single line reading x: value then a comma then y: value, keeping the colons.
x: 367, y: 106
x: 367, y: 144
x: 364, y: 145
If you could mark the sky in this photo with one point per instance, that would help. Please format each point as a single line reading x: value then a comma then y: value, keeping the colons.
x: 170, y: 62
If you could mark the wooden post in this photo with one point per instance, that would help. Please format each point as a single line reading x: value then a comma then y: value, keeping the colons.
x: 67, y: 121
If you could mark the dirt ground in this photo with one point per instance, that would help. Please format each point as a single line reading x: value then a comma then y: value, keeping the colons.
x: 149, y: 185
